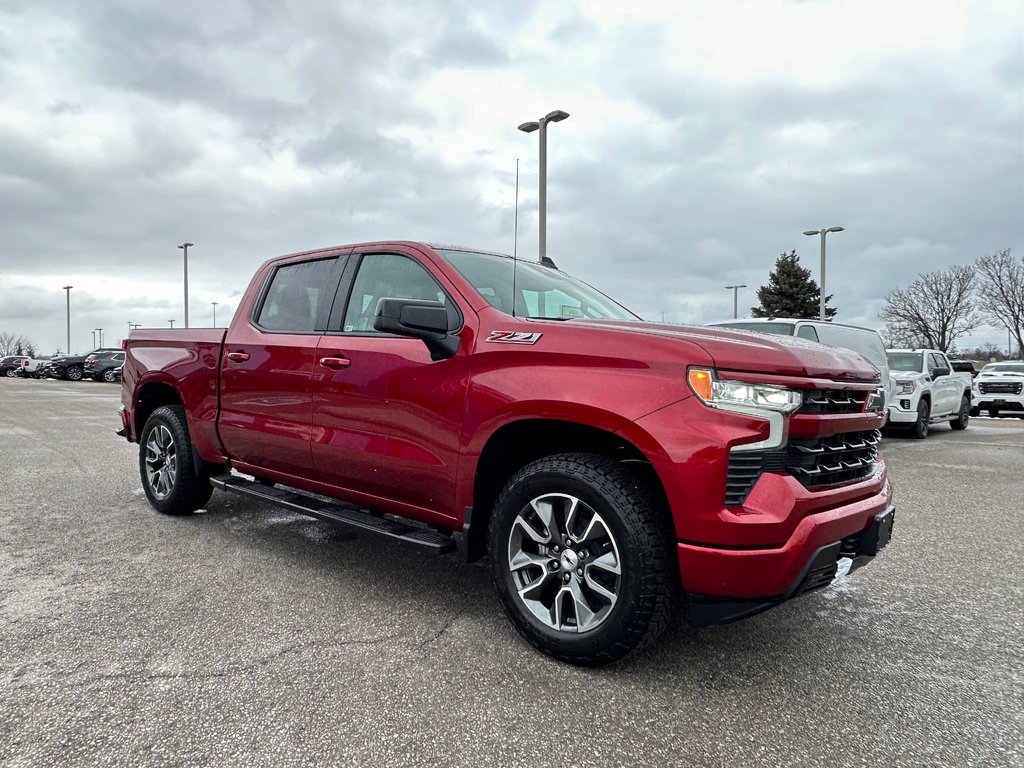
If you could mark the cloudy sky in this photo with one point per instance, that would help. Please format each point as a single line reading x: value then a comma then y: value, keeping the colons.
x: 703, y: 139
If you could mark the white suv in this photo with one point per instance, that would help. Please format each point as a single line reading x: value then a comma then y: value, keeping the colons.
x: 999, y: 388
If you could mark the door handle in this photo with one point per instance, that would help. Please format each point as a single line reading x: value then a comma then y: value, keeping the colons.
x: 335, y: 362
x: 237, y: 357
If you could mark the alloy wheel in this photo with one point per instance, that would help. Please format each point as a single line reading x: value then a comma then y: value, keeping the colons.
x: 565, y: 563
x: 161, y: 462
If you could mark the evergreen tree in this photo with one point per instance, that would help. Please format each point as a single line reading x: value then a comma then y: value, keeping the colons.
x: 790, y: 292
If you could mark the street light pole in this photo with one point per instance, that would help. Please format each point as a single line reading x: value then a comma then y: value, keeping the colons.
x: 185, y: 247
x: 171, y: 322
x: 93, y: 340
x: 214, y: 313
x: 735, y: 301
x: 100, y: 332
x: 67, y: 293
x: 821, y: 296
x: 541, y: 125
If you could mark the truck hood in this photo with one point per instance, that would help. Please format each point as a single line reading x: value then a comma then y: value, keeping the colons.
x: 905, y: 375
x: 755, y: 352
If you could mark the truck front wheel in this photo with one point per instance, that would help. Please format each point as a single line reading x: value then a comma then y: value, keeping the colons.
x: 169, y: 477
x: 920, y: 428
x: 583, y: 558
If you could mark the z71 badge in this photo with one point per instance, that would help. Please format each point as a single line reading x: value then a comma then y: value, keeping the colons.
x: 513, y: 337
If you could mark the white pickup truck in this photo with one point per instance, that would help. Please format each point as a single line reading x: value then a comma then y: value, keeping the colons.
x: 926, y: 390
x: 999, y: 388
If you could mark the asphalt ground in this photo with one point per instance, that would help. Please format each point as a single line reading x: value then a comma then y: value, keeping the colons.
x: 248, y: 636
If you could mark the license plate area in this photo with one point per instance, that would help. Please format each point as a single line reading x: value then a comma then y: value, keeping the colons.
x: 879, y: 534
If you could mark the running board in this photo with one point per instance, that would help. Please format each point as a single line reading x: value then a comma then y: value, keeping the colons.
x: 337, y: 512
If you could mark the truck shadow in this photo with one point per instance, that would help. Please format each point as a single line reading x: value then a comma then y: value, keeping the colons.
x: 805, y: 638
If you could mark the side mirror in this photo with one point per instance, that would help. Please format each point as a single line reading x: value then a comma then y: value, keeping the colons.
x: 430, y: 321
x: 936, y: 372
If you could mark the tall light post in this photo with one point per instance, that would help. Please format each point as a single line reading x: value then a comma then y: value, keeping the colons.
x: 100, y: 332
x: 214, y: 313
x: 735, y: 300
x: 171, y: 322
x: 185, y: 247
x: 67, y: 294
x: 821, y: 298
x: 541, y: 125
x: 93, y: 340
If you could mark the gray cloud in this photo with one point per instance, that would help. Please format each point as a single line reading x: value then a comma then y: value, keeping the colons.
x: 259, y: 128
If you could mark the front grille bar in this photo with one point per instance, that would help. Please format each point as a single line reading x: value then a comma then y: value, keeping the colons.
x: 821, y: 463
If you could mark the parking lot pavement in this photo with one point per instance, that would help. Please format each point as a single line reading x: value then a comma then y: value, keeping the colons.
x: 247, y: 636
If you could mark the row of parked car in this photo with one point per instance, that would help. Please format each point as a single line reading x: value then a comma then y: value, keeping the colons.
x: 99, y: 365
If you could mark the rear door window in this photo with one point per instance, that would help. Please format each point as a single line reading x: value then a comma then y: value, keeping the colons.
x: 807, y: 332
x: 867, y: 343
x: 299, y: 296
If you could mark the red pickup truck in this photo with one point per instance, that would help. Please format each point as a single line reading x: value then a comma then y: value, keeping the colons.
x: 435, y: 394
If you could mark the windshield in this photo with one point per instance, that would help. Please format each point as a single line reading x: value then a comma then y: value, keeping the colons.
x: 540, y: 291
x: 1000, y: 368
x: 911, y: 362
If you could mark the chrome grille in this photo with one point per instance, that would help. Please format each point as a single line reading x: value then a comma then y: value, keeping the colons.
x: 819, y: 463
x: 833, y: 460
x: 1000, y: 387
x: 832, y: 401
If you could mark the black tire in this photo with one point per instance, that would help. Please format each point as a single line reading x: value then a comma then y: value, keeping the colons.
x: 993, y: 413
x: 74, y: 373
x: 975, y: 411
x: 168, y: 473
x: 11, y: 373
x: 638, y: 542
x: 109, y: 376
x: 963, y: 416
x: 920, y: 429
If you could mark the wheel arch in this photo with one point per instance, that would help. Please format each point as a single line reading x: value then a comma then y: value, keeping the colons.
x: 149, y: 397
x: 518, y: 443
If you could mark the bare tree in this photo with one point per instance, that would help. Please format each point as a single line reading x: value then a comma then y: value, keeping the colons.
x: 11, y: 344
x: 896, y: 336
x: 8, y: 343
x: 938, y: 308
x: 1001, y: 290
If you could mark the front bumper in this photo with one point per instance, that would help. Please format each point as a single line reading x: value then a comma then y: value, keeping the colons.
x: 999, y: 402
x: 903, y: 408
x: 820, y: 567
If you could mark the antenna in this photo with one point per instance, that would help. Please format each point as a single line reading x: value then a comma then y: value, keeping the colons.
x: 515, y: 243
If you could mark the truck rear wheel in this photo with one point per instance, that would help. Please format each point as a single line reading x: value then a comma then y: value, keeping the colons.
x: 963, y: 416
x: 582, y: 558
x: 169, y: 476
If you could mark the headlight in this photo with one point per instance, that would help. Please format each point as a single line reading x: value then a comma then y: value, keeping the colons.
x: 906, y: 387
x: 725, y: 394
